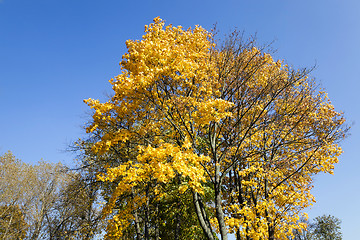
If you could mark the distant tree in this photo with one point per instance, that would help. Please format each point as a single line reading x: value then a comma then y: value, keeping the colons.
x: 325, y: 227
x: 47, y: 181
x: 15, y: 196
x: 28, y: 194
x: 47, y: 201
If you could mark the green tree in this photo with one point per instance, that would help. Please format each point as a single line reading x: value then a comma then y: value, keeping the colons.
x: 326, y: 227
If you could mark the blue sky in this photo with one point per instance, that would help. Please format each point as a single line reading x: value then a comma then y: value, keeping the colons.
x: 54, y: 54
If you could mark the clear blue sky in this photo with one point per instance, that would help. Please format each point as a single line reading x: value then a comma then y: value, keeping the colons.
x: 54, y: 54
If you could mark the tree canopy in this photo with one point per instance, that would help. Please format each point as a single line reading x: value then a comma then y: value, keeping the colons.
x: 45, y: 201
x: 222, y: 132
x: 325, y: 227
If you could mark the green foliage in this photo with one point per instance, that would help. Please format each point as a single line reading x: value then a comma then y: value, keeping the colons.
x: 326, y: 227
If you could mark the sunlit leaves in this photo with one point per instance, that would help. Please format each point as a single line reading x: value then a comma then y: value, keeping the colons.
x: 190, y: 116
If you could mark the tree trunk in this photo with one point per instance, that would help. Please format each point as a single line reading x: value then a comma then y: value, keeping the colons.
x: 219, y: 212
x: 137, y: 225
x: 146, y: 220
x: 177, y: 219
x: 203, y: 219
x: 217, y: 185
x: 157, y: 231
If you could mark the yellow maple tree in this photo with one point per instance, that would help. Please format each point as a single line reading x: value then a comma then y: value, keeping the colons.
x: 225, y: 119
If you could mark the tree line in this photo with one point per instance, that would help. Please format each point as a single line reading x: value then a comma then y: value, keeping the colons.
x: 46, y: 201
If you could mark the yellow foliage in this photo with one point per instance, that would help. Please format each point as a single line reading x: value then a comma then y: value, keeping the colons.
x: 192, y: 109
